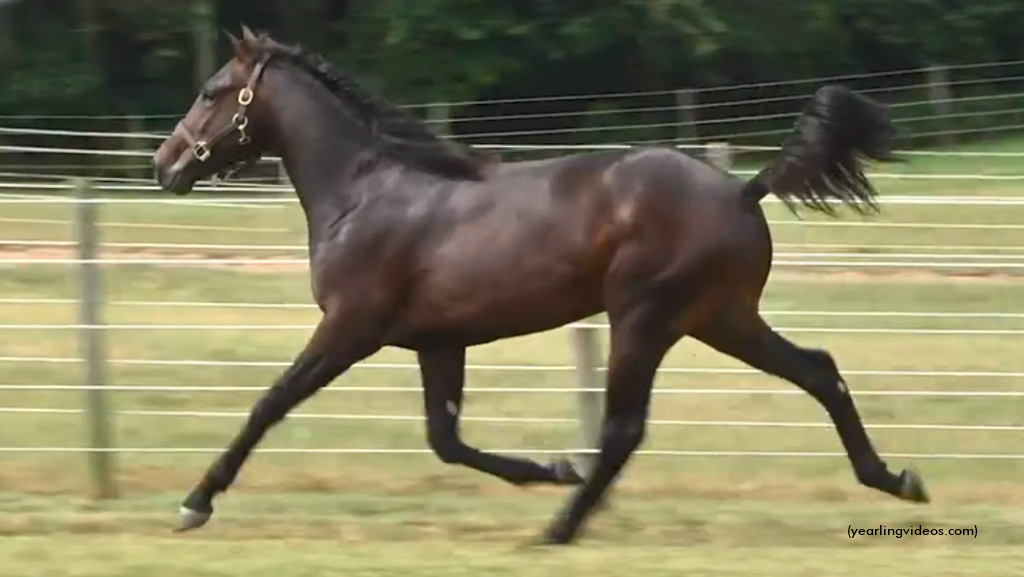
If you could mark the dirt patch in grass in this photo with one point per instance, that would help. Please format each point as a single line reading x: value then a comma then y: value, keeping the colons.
x: 247, y: 262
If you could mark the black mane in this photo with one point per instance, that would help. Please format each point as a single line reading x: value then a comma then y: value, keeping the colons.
x: 395, y: 133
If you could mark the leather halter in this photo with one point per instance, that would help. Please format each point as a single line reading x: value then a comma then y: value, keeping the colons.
x: 202, y: 148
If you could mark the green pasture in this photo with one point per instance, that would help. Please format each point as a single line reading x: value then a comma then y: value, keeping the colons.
x: 437, y: 531
x: 390, y: 514
x: 328, y: 514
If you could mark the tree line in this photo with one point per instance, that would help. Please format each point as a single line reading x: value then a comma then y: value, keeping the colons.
x: 146, y: 57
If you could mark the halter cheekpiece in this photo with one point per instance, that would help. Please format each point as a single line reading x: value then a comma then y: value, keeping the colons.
x: 201, y: 148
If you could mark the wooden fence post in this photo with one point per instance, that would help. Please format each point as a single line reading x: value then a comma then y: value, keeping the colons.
x: 940, y: 95
x: 686, y: 103
x: 92, y: 344
x: 204, y: 34
x: 439, y: 119
x: 719, y: 154
x: 590, y: 399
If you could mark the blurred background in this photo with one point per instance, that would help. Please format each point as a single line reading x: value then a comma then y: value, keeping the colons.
x: 526, y: 72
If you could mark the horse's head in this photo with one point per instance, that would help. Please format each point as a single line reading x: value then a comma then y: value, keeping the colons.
x: 222, y: 130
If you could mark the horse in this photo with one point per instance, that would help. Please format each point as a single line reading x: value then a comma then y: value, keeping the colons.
x: 418, y: 242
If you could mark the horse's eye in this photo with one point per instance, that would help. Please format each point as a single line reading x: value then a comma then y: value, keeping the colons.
x: 206, y: 95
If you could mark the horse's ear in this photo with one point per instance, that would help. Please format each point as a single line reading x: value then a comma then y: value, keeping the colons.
x: 234, y: 39
x: 248, y: 36
x: 245, y: 47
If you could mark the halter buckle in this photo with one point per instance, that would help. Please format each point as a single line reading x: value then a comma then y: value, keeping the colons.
x: 245, y: 96
x: 201, y: 151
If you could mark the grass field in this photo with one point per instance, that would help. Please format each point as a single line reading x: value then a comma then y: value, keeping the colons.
x: 325, y: 514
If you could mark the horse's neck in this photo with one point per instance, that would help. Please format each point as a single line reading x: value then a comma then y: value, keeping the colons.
x: 319, y: 155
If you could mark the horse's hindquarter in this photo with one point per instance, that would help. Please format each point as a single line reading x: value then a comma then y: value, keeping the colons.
x: 686, y: 239
x: 523, y: 252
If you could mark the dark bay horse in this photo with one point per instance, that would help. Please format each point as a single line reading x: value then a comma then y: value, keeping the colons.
x: 420, y: 243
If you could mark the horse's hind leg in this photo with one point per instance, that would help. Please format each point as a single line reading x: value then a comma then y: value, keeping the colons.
x: 745, y: 336
x: 335, y: 346
x: 443, y: 373
x: 639, y: 341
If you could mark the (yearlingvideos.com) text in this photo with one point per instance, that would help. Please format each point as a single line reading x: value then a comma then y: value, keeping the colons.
x: 918, y: 530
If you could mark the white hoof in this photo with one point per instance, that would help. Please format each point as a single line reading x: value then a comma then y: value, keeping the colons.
x: 189, y: 519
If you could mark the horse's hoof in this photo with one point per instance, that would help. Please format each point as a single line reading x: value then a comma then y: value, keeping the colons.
x: 554, y: 537
x: 534, y: 544
x: 566, y: 472
x: 912, y: 487
x: 189, y: 519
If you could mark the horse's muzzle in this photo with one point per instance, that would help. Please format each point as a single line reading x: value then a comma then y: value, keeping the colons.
x: 172, y: 180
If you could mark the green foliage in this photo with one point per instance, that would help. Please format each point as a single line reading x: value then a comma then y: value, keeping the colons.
x: 140, y: 56
x: 439, y: 49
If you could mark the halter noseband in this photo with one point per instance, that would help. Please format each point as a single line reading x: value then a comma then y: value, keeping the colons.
x: 202, y: 148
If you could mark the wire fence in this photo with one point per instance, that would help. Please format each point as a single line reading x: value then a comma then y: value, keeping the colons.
x: 29, y: 144
x: 900, y: 76
x: 877, y: 260
x: 221, y: 389
x: 938, y: 105
x: 510, y: 451
x: 973, y: 251
x: 241, y: 413
x: 875, y: 255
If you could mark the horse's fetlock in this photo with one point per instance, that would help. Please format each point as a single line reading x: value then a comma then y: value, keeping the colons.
x: 871, y: 475
x: 447, y: 448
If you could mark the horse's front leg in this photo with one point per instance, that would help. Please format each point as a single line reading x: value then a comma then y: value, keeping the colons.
x: 339, y: 341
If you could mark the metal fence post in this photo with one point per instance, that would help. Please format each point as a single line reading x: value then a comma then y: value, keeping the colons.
x: 91, y: 343
x: 590, y: 398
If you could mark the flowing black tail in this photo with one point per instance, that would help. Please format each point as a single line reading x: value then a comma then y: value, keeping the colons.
x: 822, y: 160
